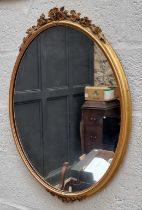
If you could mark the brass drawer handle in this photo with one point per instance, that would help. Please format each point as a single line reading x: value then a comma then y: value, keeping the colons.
x: 92, y: 118
x: 93, y: 138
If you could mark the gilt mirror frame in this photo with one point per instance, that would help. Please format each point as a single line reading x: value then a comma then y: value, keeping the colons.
x: 56, y: 17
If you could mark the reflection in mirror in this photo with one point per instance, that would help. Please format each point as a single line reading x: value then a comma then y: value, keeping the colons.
x: 67, y: 111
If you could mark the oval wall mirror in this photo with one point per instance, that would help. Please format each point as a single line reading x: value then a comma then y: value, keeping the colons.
x: 70, y: 108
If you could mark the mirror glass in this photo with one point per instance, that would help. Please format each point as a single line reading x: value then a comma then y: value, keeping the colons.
x: 67, y: 109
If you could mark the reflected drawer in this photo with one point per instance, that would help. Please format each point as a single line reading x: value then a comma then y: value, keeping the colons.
x: 92, y: 137
x: 91, y: 117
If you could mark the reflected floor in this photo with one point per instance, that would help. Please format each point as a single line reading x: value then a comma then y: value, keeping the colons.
x: 83, y: 173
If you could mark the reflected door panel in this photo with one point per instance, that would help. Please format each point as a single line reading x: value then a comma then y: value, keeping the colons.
x: 50, y: 84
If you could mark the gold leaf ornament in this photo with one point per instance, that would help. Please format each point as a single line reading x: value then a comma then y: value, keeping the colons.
x: 60, y: 14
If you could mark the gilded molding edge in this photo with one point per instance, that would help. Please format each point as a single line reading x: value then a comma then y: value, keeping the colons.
x: 59, y: 14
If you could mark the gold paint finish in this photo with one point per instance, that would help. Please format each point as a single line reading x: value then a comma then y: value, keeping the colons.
x: 72, y: 19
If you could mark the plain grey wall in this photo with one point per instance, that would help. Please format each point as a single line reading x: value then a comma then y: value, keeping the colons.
x: 121, y: 22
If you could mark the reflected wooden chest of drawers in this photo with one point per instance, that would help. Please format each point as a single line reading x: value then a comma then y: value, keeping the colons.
x: 100, y: 125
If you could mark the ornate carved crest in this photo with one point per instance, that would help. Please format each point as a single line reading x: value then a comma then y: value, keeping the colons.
x: 59, y: 14
x: 68, y: 199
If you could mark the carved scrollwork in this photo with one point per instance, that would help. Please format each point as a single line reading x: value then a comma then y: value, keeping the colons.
x: 67, y: 199
x: 59, y: 14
